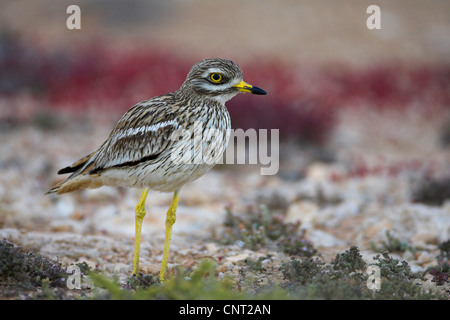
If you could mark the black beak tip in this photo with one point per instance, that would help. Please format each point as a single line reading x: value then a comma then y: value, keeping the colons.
x: 256, y: 90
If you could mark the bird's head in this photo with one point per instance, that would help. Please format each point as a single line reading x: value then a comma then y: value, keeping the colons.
x: 218, y: 79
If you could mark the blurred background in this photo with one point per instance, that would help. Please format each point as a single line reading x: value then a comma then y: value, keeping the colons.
x: 364, y: 118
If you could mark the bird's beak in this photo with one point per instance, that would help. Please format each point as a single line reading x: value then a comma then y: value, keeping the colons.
x: 245, y: 87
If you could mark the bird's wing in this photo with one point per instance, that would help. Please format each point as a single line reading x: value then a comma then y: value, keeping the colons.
x: 74, y: 167
x: 142, y: 134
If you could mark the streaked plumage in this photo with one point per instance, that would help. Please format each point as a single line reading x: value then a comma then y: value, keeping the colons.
x: 140, y: 149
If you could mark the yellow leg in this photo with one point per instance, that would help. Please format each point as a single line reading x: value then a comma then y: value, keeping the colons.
x: 140, y: 214
x: 170, y: 220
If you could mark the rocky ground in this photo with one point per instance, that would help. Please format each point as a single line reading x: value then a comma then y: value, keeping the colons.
x: 366, y: 193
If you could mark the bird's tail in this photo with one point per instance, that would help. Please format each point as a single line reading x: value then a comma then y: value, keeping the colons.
x: 56, y: 187
x: 75, y: 180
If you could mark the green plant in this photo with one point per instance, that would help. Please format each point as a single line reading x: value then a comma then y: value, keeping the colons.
x: 141, y: 281
x: 349, y: 261
x: 29, y: 269
x: 200, y: 283
x: 259, y: 227
x: 391, y: 268
x: 301, y: 270
x: 296, y: 245
x: 441, y: 271
x: 444, y: 252
x: 393, y: 244
x: 345, y: 277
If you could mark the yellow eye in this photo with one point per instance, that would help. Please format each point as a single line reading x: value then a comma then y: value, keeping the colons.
x: 216, y: 77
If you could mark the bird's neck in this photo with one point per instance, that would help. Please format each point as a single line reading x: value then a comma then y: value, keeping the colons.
x: 200, y: 99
